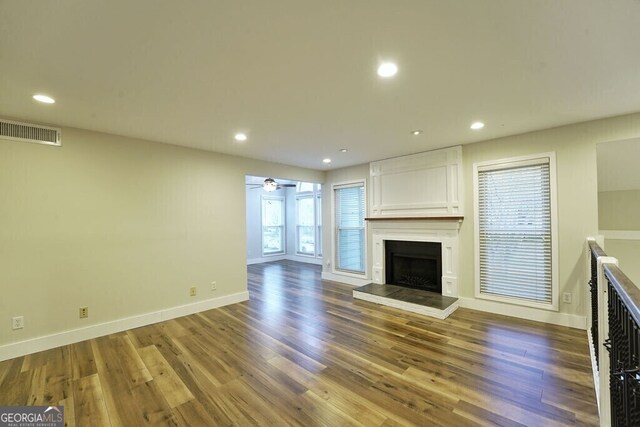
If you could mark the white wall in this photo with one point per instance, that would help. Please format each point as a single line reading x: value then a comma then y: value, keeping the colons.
x: 120, y: 225
x: 620, y: 211
x: 627, y: 251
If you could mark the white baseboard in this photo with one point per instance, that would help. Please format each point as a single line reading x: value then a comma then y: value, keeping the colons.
x: 347, y: 280
x: 307, y: 259
x: 555, y: 318
x: 17, y: 349
x: 298, y: 258
x: 260, y: 260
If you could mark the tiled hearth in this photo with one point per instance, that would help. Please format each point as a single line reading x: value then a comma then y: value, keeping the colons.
x: 413, y: 300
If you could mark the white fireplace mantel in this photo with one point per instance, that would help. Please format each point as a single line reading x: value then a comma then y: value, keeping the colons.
x: 439, y: 231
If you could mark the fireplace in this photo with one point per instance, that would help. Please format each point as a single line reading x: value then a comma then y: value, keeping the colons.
x: 414, y: 264
x: 443, y: 233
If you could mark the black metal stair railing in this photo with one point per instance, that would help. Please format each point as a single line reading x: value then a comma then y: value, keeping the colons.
x: 595, y: 252
x: 623, y: 345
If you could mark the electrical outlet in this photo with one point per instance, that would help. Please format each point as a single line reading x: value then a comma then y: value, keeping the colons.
x: 566, y: 298
x: 214, y: 286
x: 192, y: 291
x: 84, y: 312
x: 17, y: 322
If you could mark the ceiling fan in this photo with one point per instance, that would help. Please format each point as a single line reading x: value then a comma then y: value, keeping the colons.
x: 270, y: 185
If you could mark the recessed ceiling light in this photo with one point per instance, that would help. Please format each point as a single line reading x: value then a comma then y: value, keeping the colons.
x: 387, y: 69
x: 343, y: 150
x: 44, y: 99
x: 241, y: 137
x: 477, y: 125
x: 327, y: 160
x: 416, y: 132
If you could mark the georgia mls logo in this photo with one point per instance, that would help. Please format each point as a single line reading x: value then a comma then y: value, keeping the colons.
x: 53, y: 408
x: 31, y: 416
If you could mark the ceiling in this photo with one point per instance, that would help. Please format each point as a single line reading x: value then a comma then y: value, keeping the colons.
x: 618, y: 165
x: 299, y: 77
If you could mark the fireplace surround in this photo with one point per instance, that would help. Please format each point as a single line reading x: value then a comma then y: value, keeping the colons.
x: 443, y: 232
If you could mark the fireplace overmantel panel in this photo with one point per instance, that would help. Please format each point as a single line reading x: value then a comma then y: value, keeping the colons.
x: 426, y: 184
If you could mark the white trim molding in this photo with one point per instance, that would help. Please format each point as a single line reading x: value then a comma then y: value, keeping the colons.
x: 21, y: 348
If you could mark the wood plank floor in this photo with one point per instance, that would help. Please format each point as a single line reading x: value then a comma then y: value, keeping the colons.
x: 302, y: 352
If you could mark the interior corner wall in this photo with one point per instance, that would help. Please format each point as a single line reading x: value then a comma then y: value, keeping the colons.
x: 118, y: 225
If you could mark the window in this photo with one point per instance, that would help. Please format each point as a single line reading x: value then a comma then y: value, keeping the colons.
x: 273, y: 225
x: 516, y: 239
x: 350, y: 230
x: 308, y: 220
x: 306, y: 229
x: 305, y: 187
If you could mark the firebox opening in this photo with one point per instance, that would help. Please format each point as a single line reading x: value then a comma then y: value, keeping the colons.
x: 414, y: 264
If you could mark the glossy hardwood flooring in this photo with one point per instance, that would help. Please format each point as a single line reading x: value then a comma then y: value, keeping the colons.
x: 302, y: 352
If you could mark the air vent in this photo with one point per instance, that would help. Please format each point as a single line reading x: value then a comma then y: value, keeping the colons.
x: 27, y: 132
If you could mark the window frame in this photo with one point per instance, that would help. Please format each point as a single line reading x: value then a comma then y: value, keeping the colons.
x: 283, y: 227
x: 499, y: 164
x: 334, y: 230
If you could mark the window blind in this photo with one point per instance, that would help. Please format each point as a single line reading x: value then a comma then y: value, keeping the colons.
x: 514, y: 216
x: 350, y: 212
